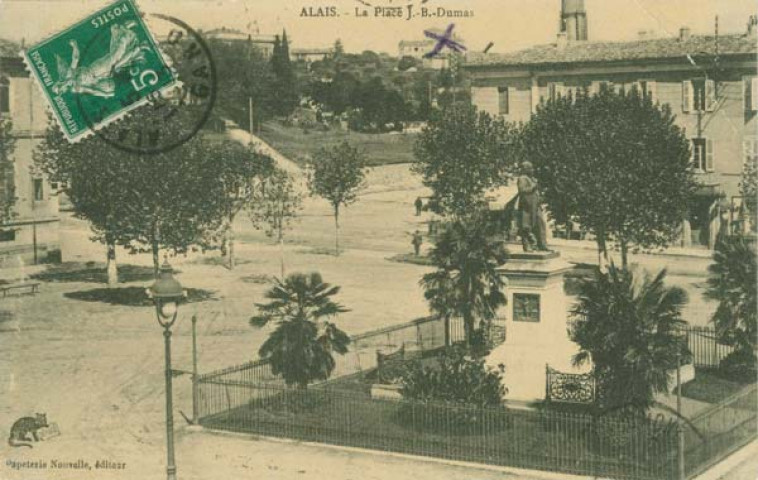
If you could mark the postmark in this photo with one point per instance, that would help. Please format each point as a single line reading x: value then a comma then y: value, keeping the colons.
x: 96, y: 71
x: 169, y: 117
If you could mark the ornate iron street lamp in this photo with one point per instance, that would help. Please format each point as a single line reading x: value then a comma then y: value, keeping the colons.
x: 166, y: 293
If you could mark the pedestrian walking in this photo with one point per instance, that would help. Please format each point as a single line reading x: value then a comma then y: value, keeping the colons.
x: 419, y: 204
x: 417, y: 241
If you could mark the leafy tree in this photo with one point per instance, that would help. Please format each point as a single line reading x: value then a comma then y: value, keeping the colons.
x: 407, y: 62
x: 7, y: 147
x: 175, y: 200
x: 301, y: 346
x: 276, y: 204
x: 242, y: 169
x: 749, y: 190
x: 630, y: 329
x: 616, y: 163
x: 243, y: 73
x: 460, y: 154
x: 337, y: 174
x: 466, y: 282
x: 284, y: 89
x: 732, y: 283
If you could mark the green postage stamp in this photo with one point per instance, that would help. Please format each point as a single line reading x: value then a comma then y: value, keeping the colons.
x: 100, y: 68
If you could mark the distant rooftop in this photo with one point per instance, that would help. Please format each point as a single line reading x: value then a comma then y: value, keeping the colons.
x: 9, y: 49
x: 312, y: 51
x: 587, y: 52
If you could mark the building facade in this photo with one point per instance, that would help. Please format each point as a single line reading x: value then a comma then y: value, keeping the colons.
x: 419, y: 48
x: 309, y: 55
x: 32, y: 235
x: 708, y: 81
x: 264, y: 43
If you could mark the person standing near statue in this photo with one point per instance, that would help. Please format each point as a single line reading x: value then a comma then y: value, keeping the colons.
x: 530, y: 221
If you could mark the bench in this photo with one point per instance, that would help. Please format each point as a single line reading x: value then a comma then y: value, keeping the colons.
x: 32, y: 287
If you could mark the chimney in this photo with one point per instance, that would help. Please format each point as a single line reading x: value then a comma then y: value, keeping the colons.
x: 573, y: 20
x: 684, y: 34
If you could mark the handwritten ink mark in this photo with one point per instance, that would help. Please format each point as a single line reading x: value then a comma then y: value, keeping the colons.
x: 443, y: 40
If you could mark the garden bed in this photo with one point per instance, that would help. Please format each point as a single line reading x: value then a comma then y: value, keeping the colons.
x: 498, y: 436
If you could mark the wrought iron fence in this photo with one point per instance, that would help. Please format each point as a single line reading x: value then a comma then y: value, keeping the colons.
x: 717, y: 432
x: 569, y: 387
x: 705, y: 347
x: 545, y: 440
x: 422, y: 335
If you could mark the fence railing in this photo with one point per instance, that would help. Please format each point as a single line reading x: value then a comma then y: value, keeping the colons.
x: 424, y: 335
x: 545, y: 440
x: 705, y: 347
x: 250, y: 398
x: 718, y: 431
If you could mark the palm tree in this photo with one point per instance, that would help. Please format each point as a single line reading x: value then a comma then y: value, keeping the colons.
x: 300, y: 348
x: 467, y: 283
x: 732, y: 283
x: 630, y: 329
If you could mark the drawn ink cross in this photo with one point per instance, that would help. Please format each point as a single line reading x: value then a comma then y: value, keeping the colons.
x: 443, y: 40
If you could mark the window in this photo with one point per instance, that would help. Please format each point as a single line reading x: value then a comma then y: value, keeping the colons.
x: 647, y: 89
x: 37, y: 186
x: 5, y: 95
x: 702, y: 155
x: 526, y: 307
x: 555, y: 91
x: 698, y: 95
x: 502, y: 97
x: 598, y: 86
x: 750, y: 87
x: 7, y: 235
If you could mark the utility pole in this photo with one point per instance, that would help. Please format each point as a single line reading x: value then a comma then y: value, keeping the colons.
x: 194, y: 371
x: 679, y: 429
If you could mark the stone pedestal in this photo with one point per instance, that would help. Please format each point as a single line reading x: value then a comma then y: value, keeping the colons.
x: 536, y: 332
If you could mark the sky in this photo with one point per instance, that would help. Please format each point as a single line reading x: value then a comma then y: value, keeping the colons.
x: 510, y: 24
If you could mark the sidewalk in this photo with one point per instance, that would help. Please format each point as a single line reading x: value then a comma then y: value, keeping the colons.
x: 670, y: 251
x: 205, y: 455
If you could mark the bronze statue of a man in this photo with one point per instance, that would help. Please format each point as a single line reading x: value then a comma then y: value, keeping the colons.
x: 530, y: 221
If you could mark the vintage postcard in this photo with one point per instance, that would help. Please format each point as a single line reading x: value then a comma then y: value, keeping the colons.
x: 378, y: 239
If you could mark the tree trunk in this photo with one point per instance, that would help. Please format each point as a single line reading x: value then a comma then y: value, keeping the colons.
x: 230, y: 242
x: 447, y: 330
x: 111, y: 268
x: 156, y: 249
x: 281, y: 253
x: 624, y: 253
x: 336, y: 231
x: 602, y: 252
x: 468, y: 330
x: 156, y: 259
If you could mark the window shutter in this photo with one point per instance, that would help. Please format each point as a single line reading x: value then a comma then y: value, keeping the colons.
x: 687, y: 96
x: 652, y: 91
x: 753, y: 94
x: 502, y: 97
x: 709, y: 155
x: 710, y: 95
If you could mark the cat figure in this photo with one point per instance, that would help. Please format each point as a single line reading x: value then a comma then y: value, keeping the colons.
x: 25, y: 426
